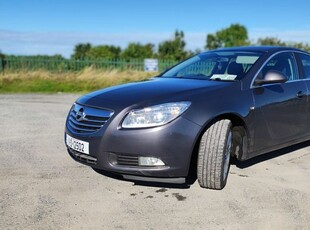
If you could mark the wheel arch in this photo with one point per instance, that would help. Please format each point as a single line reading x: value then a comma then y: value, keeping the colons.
x: 240, y: 130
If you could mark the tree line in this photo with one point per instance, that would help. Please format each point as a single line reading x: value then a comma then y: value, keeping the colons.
x: 174, y: 49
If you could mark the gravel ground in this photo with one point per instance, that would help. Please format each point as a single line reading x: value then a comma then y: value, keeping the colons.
x: 41, y: 187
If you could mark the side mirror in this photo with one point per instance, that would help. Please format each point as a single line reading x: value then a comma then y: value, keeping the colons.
x: 271, y: 77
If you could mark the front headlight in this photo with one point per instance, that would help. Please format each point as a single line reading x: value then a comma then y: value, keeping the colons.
x: 155, y: 115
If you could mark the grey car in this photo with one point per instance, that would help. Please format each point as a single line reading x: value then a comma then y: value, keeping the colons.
x: 235, y: 102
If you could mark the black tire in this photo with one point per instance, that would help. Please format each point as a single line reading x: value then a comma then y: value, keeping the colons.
x: 214, y: 155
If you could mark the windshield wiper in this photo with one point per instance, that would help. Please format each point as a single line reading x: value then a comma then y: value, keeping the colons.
x: 199, y: 76
x: 189, y: 76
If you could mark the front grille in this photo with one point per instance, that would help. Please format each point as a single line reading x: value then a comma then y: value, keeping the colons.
x: 123, y: 160
x: 83, y: 157
x: 84, y: 119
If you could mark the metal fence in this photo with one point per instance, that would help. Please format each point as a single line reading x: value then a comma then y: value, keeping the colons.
x: 62, y: 65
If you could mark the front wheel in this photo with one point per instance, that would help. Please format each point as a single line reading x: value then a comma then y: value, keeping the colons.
x: 214, y: 155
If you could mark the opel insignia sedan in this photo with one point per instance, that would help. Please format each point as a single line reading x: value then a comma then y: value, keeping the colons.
x: 234, y: 102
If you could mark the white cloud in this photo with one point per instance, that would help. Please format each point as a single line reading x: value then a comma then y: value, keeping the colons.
x: 31, y: 43
x: 284, y: 35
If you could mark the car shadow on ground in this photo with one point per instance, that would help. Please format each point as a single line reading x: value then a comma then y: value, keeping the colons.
x: 269, y: 156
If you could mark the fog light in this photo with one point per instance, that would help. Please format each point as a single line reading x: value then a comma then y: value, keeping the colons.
x: 150, y: 161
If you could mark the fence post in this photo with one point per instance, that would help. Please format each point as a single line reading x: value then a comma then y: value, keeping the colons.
x: 1, y: 65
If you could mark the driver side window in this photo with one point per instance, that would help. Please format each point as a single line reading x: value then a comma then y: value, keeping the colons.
x: 284, y: 63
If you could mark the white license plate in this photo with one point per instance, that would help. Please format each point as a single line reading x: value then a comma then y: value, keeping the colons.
x: 77, y: 145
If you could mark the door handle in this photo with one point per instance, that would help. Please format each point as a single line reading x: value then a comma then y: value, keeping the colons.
x: 300, y: 94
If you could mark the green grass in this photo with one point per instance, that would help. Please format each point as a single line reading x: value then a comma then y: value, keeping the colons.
x: 66, y: 82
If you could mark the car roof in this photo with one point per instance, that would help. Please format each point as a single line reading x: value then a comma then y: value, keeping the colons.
x: 266, y: 49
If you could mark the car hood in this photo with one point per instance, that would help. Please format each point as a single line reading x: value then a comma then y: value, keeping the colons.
x: 147, y: 92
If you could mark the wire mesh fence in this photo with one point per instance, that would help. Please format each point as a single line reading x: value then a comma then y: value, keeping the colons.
x: 62, y: 65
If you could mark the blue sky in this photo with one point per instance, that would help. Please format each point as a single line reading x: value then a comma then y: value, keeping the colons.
x: 54, y: 27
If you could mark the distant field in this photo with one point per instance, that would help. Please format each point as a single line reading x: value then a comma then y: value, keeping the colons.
x: 68, y: 82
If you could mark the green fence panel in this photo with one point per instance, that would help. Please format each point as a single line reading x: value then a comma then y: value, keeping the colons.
x: 63, y: 65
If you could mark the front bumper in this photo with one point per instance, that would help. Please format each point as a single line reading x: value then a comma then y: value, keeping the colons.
x: 172, y: 143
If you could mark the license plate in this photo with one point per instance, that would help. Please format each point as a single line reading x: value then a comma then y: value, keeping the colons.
x: 77, y: 145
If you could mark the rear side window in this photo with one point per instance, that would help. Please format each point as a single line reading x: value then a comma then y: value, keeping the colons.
x: 305, y: 60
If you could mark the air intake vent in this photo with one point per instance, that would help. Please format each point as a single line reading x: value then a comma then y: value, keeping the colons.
x: 123, y: 160
x: 127, y: 160
x: 82, y: 157
x: 84, y: 119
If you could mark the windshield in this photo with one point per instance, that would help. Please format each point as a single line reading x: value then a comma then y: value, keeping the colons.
x: 221, y: 65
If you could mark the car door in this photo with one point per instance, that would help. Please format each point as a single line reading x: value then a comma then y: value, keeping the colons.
x: 304, y: 60
x: 280, y: 109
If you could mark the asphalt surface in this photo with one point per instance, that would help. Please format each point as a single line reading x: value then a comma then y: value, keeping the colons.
x: 41, y: 187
